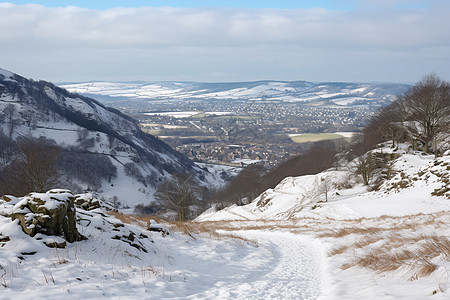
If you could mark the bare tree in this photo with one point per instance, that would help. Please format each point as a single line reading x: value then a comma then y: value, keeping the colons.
x: 365, y: 166
x: 33, y: 170
x: 9, y: 112
x: 7, y: 148
x: 39, y: 159
x: 180, y: 193
x: 390, y: 120
x: 325, y: 187
x: 428, y: 104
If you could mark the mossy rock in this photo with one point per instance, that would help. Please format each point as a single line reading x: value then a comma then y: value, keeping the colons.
x: 6, y: 198
x: 55, y: 244
x: 49, y: 215
x: 87, y: 204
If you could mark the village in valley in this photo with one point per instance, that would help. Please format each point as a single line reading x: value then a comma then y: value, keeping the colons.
x: 238, y: 133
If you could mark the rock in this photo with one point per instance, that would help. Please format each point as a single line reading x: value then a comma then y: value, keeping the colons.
x: 55, y: 244
x: 3, y: 240
x: 87, y: 202
x: 6, y: 198
x: 153, y: 226
x: 51, y: 213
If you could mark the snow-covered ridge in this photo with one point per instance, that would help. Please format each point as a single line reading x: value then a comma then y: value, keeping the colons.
x: 345, y: 94
x: 419, y: 184
x: 6, y: 73
x: 87, y: 127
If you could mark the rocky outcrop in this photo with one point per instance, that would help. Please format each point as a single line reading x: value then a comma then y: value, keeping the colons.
x: 51, y: 213
x: 87, y: 202
x: 56, y: 218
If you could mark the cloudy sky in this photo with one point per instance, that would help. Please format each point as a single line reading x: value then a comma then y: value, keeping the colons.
x: 210, y: 40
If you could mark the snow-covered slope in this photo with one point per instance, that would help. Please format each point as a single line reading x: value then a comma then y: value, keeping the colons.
x: 387, y: 244
x: 420, y: 185
x: 119, y: 260
x: 326, y: 93
x: 390, y: 244
x: 83, y: 126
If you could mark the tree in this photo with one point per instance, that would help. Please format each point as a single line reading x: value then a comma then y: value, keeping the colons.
x: 365, y: 166
x: 38, y: 160
x: 179, y: 193
x: 390, y: 120
x: 9, y: 112
x: 427, y: 104
x: 133, y: 171
x: 255, y: 179
x: 91, y: 168
x: 34, y: 168
x: 7, y: 148
x: 325, y: 187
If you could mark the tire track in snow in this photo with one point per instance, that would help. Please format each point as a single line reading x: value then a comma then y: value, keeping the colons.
x: 294, y: 275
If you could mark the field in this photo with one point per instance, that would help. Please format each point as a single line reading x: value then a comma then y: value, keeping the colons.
x: 315, y: 137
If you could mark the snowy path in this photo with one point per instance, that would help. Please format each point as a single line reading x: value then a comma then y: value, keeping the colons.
x: 292, y: 273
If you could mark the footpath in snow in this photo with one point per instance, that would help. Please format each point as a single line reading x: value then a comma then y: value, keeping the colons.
x: 293, y: 272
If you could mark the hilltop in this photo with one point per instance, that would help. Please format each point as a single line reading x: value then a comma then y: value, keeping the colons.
x: 321, y: 93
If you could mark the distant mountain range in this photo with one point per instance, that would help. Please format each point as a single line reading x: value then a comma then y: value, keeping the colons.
x: 103, y: 150
x: 321, y: 93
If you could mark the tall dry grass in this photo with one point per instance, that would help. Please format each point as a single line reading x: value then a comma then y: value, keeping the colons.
x: 382, y: 244
x: 408, y: 244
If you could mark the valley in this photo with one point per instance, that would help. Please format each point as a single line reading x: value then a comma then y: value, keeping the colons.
x: 261, y: 124
x: 300, y: 217
x: 225, y: 150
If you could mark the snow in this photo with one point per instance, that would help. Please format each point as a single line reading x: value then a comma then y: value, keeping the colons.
x: 175, y: 114
x: 294, y: 195
x: 175, y: 266
x: 273, y: 90
x: 6, y: 73
x: 214, y: 178
x: 297, y: 205
x: 124, y: 189
x: 283, y: 245
x: 294, y: 274
x: 219, y: 113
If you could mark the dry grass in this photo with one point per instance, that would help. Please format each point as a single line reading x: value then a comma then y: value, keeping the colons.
x: 191, y: 229
x: 382, y: 244
x: 407, y: 244
x: 342, y: 232
x: 404, y: 257
x: 135, y: 219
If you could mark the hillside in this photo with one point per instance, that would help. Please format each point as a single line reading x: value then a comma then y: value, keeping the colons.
x: 419, y: 183
x: 393, y: 242
x: 286, y: 244
x: 322, y: 93
x: 103, y: 150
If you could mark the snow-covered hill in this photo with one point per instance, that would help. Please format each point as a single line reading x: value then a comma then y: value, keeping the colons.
x: 120, y: 259
x: 95, y: 139
x: 390, y: 243
x: 325, y: 93
x: 288, y: 244
x: 420, y: 185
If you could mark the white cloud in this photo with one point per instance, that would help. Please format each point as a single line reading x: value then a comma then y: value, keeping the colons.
x: 234, y: 44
